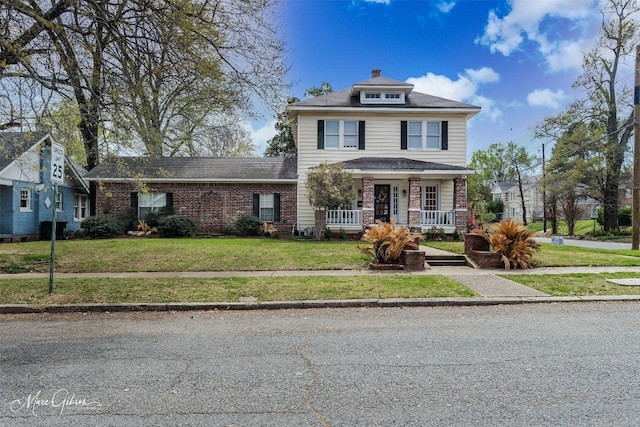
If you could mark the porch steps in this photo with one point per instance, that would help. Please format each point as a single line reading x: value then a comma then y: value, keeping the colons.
x: 452, y: 260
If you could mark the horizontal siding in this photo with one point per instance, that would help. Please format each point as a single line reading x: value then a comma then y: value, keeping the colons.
x: 382, y: 140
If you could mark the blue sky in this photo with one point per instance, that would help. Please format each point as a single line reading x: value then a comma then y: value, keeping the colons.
x: 516, y: 59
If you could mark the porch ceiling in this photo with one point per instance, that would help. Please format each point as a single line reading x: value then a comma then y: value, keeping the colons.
x: 403, y: 165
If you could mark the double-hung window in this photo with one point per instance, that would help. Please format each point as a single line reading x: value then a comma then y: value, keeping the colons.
x: 59, y: 199
x: 25, y: 200
x: 266, y: 207
x: 341, y: 134
x: 150, y: 202
x: 424, y: 135
x: 80, y: 207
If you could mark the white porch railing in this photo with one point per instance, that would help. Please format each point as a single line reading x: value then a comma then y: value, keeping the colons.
x: 435, y: 218
x: 344, y: 217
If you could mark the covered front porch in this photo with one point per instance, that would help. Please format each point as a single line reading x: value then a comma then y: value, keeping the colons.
x: 416, y: 194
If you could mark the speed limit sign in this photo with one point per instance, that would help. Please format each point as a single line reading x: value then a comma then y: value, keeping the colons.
x: 57, y: 163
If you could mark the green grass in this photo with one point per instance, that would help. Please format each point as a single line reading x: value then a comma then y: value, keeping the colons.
x: 106, y: 290
x: 232, y: 254
x: 582, y: 227
x: 577, y: 284
x: 565, y: 256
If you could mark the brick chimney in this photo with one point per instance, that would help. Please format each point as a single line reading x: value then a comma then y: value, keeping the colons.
x: 375, y: 73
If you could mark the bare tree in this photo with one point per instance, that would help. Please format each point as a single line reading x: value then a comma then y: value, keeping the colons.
x: 606, y: 104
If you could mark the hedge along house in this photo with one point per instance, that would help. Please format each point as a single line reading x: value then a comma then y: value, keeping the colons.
x: 26, y: 191
x: 212, y: 191
x: 406, y: 151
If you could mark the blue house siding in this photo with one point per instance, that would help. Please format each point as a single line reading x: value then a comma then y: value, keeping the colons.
x: 25, y: 223
x: 22, y: 224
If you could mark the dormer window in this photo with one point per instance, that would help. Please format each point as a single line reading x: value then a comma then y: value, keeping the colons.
x: 369, y: 97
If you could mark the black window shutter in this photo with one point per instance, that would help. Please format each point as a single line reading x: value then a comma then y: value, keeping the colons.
x: 403, y: 135
x: 256, y: 205
x: 320, y: 134
x: 361, y: 135
x: 169, y: 200
x: 134, y: 200
x: 276, y: 207
x: 445, y: 135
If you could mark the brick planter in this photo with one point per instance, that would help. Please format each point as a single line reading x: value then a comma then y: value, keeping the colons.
x: 412, y: 260
x: 477, y: 248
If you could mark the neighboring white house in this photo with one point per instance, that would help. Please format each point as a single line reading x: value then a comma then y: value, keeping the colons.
x: 406, y: 150
x: 532, y: 187
x: 509, y: 193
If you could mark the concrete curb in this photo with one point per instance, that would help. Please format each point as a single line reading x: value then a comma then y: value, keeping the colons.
x: 288, y: 305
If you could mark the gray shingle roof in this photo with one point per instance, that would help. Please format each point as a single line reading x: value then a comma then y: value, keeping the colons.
x: 13, y: 144
x: 196, y: 169
x: 398, y: 164
x: 345, y: 98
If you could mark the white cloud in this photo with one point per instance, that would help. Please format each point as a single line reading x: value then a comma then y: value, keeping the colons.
x: 526, y: 21
x: 378, y: 1
x: 260, y: 136
x: 546, y: 98
x: 464, y: 89
x: 446, y: 6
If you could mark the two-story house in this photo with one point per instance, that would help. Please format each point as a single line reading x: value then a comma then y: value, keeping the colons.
x: 406, y: 151
x: 26, y: 192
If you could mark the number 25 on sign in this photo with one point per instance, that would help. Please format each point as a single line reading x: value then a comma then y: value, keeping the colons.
x: 57, y: 163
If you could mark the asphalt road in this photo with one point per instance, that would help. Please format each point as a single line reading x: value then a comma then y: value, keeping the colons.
x: 535, y: 364
x: 588, y: 243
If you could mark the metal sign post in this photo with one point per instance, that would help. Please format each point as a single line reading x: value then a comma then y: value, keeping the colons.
x: 57, y: 177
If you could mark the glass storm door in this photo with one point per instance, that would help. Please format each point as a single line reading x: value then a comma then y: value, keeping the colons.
x: 381, y: 204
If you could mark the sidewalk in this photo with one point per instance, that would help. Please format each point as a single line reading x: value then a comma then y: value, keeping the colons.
x: 493, y: 289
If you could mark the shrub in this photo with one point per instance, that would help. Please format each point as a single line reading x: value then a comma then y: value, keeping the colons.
x: 248, y: 225
x: 456, y: 235
x: 102, y: 226
x: 327, y: 233
x: 624, y: 217
x: 389, y: 241
x: 495, y: 206
x: 153, y: 218
x: 176, y: 226
x: 514, y: 243
x: 129, y: 218
x: 342, y: 234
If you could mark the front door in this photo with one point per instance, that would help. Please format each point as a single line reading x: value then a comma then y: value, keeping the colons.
x: 381, y: 204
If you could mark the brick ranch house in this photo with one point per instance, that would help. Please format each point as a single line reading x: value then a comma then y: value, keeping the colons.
x: 406, y: 151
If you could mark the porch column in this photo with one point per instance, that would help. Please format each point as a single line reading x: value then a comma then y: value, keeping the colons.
x: 414, y: 202
x: 367, y: 201
x: 460, y: 203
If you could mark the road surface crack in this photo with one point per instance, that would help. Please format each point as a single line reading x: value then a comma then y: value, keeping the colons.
x: 314, y: 380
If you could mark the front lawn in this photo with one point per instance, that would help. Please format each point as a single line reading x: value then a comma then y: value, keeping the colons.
x: 293, y: 288
x: 157, y: 254
x: 565, y: 255
x: 577, y: 284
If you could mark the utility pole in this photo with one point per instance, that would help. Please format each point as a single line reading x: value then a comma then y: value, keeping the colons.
x: 544, y: 192
x: 635, y: 189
